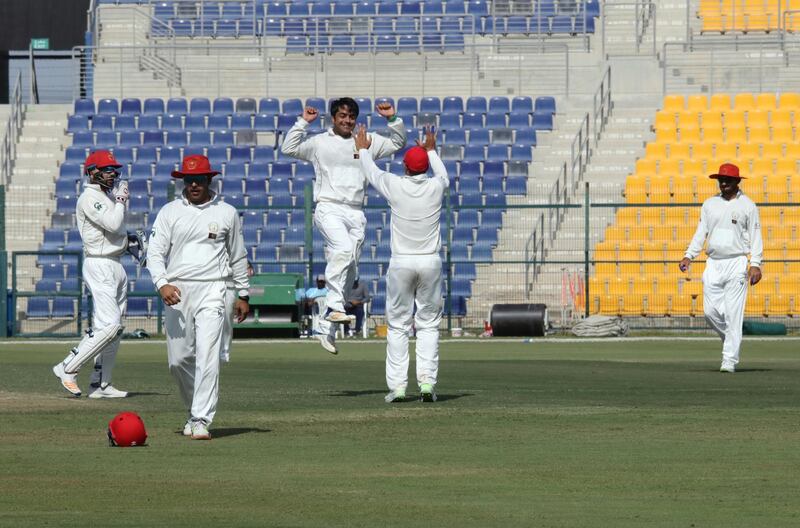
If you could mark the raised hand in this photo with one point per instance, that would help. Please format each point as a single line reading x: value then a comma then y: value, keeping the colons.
x: 310, y: 114
x: 121, y: 192
x: 385, y: 109
x: 430, y: 139
x: 361, y: 138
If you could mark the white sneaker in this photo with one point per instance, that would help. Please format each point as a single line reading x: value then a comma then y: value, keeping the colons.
x: 106, y: 391
x: 187, y: 428
x: 727, y: 366
x: 68, y: 381
x: 336, y: 317
x: 328, y: 343
x: 200, y: 431
x: 396, y: 396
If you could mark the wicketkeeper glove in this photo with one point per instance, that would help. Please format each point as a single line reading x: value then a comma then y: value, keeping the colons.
x: 121, y: 192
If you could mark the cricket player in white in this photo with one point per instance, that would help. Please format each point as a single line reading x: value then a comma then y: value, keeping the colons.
x: 339, y: 193
x: 100, y: 213
x: 196, y: 249
x: 415, y: 269
x: 730, y: 222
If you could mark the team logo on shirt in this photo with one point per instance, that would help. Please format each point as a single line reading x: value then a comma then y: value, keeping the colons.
x: 734, y: 218
x: 98, y: 206
x: 213, y: 229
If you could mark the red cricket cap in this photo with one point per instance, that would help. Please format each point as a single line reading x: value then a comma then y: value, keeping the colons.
x: 416, y: 160
x: 729, y: 170
x: 195, y: 165
x: 100, y: 159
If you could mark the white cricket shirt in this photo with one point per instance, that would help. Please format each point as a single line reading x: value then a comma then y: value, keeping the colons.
x: 339, y: 177
x: 100, y: 222
x: 732, y: 228
x: 416, y: 203
x: 198, y: 243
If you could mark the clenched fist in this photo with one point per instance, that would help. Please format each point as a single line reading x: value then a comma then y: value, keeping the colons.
x: 385, y: 109
x: 310, y: 114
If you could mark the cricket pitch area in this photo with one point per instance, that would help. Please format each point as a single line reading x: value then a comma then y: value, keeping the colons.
x: 624, y: 433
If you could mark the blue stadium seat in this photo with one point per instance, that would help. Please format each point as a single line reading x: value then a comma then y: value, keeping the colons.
x: 478, y: 136
x: 269, y: 105
x: 264, y: 122
x: 176, y: 105
x: 153, y: 106
x: 525, y: 136
x: 170, y: 154
x: 107, y: 107
x: 432, y: 42
x: 545, y: 104
x: 470, y: 169
x: 519, y: 120
x: 218, y: 122
x: 105, y: 140
x: 472, y: 120
x: 386, y: 43
x: 342, y: 44
x: 496, y: 120
x: 83, y: 139
x: 63, y: 307
x: 516, y: 185
x: 223, y: 137
x: 149, y: 122
x: 254, y: 185
x: 138, y: 306
x: 75, y: 154
x: 153, y: 138
x: 240, y: 154
x: 84, y: 107
x: 124, y: 123
x: 66, y: 203
x: 77, y: 123
x: 560, y: 24
x: 542, y: 121
x: 38, y: 307
x: 131, y: 106
x: 200, y: 137
x: 177, y: 138
x: 410, y: 7
x: 493, y: 169
x: 293, y: 107
x: 102, y: 122
x: 476, y: 104
x: 182, y: 27
x: 521, y: 105
x: 521, y: 152
x: 172, y: 122
x: 497, y: 152
x: 223, y: 106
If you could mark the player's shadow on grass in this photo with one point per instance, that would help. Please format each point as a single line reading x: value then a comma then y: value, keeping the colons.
x: 137, y: 394
x: 234, y: 431
x: 355, y: 393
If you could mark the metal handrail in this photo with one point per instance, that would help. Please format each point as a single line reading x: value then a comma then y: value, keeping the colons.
x: 602, y: 105
x: 8, y: 147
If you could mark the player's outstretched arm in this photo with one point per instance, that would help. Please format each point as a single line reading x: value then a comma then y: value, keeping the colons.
x: 297, y: 144
x: 375, y: 176
x: 381, y: 146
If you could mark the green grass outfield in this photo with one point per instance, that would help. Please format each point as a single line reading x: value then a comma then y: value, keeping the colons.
x: 611, y: 434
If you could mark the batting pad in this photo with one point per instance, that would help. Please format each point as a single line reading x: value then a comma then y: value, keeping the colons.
x: 92, y: 344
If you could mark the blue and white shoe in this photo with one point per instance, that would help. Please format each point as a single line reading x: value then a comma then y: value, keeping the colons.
x: 426, y: 393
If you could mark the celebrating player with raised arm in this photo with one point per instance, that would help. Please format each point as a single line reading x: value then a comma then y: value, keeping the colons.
x: 730, y: 222
x: 339, y: 192
x: 415, y: 269
x: 100, y: 212
x: 196, y: 249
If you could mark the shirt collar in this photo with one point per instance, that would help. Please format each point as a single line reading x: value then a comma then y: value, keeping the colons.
x: 201, y: 206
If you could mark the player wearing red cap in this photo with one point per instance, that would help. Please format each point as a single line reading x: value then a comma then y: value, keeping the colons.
x: 730, y: 222
x: 100, y: 213
x: 415, y: 269
x: 196, y: 250
x: 339, y: 192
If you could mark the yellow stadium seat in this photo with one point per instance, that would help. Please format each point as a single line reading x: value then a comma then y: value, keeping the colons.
x: 725, y: 151
x: 683, y: 197
x: 690, y: 134
x: 666, y: 135
x: 771, y: 151
x: 701, y: 151
x: 713, y: 136
x: 793, y: 150
x: 711, y: 119
x: 713, y: 24
x: 743, y: 101
x: 793, y: 183
x: 786, y: 165
x: 679, y: 150
x: 781, y: 117
x: 782, y: 134
x: 755, y: 304
x: 766, y: 101
x: 652, y: 250
x: 692, y: 167
x: 667, y: 283
x: 632, y: 304
x: 735, y: 118
x: 790, y: 100
x: 659, y: 181
x: 692, y: 287
x: 696, y: 270
x: 660, y: 195
x: 663, y: 233
x: 669, y: 166
x: 684, y: 233
x: 777, y: 196
x: 687, y: 118
x: 757, y: 118
x: 682, y: 183
x: 697, y: 103
x: 664, y: 120
x: 758, y: 134
x: 644, y: 166
x: 762, y: 167
x: 755, y: 193
x: 642, y: 284
x: 655, y: 150
x: 635, y: 194
x: 749, y: 150
x: 673, y: 103
x: 735, y: 134
x: 608, y: 304
x: 605, y: 269
x: 721, y: 102
x: 657, y: 305
x: 681, y: 305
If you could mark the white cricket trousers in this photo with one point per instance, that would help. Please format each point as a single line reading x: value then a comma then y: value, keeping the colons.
x: 409, y: 279
x: 343, y: 227
x: 194, y: 339
x: 108, y: 283
x: 724, y: 296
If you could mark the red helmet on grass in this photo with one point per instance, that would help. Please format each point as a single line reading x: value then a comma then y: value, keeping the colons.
x: 126, y: 430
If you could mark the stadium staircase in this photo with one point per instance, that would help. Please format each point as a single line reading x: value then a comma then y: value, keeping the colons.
x: 29, y: 197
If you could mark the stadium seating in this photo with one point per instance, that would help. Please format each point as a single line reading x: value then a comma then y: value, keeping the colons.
x: 743, y: 16
x: 641, y: 249
x: 486, y: 165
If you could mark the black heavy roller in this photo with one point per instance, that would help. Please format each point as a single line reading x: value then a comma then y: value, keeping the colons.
x: 510, y: 320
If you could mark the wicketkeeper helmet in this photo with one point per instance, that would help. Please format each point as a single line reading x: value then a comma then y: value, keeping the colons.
x: 126, y: 430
